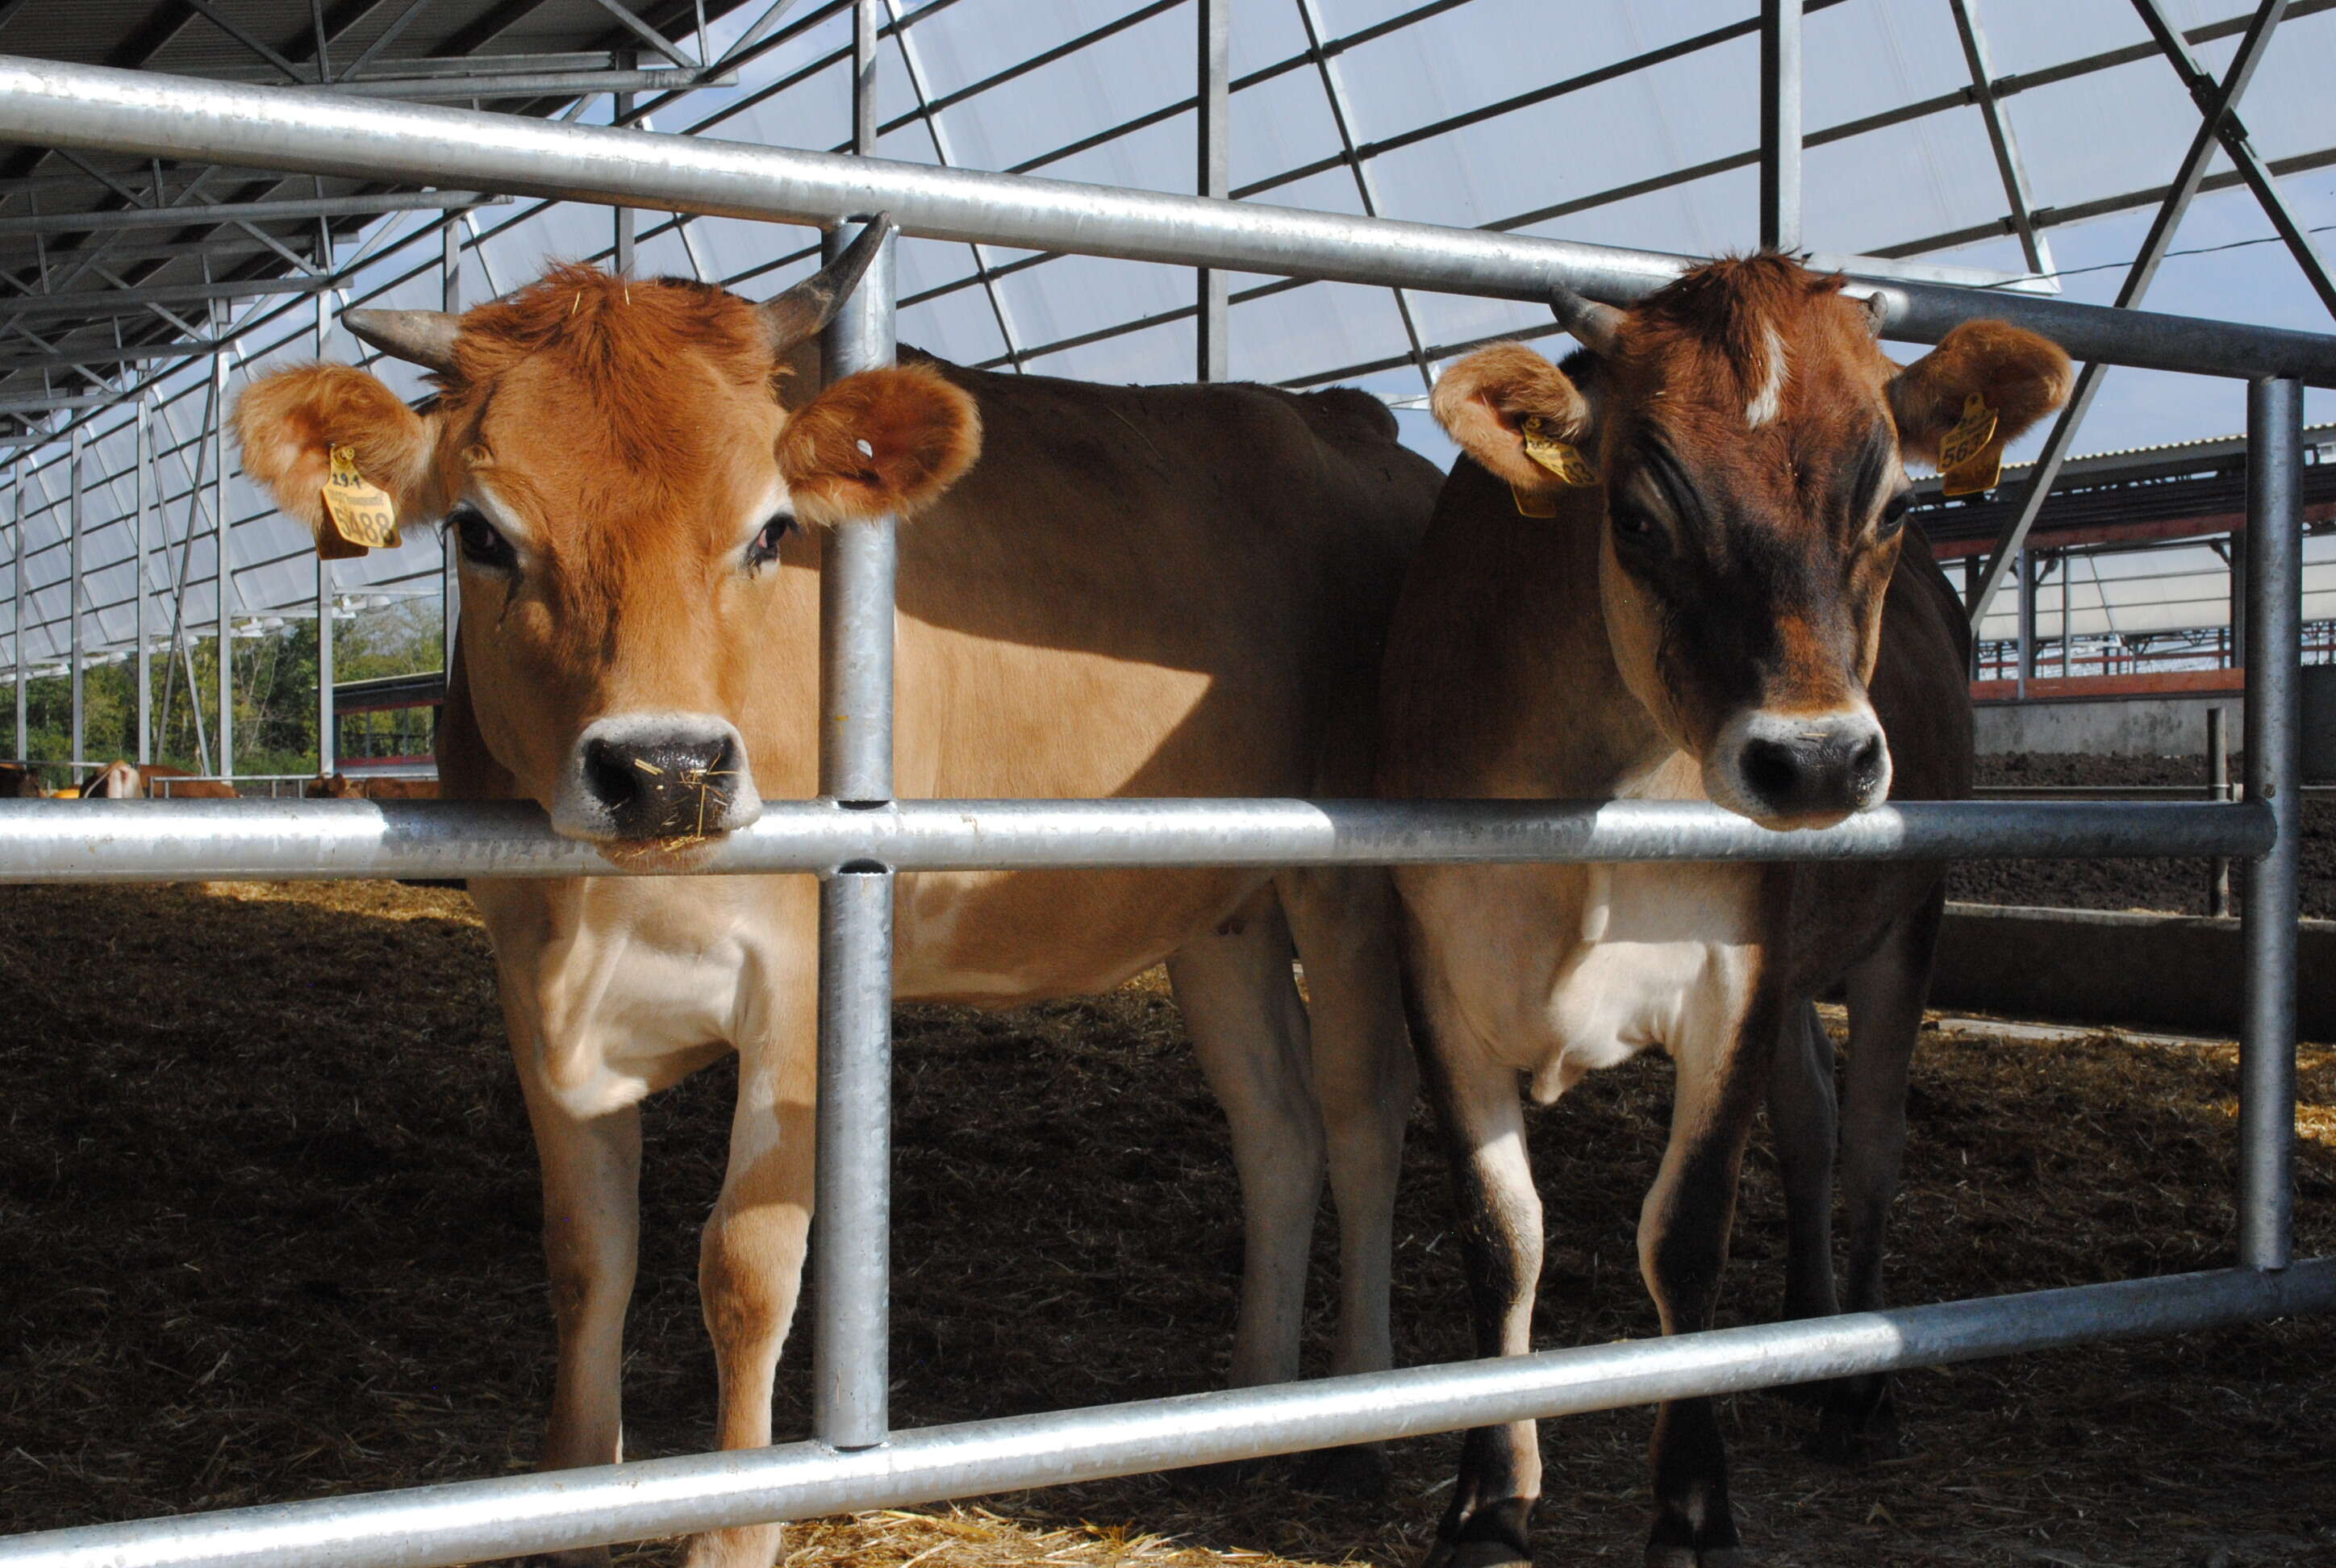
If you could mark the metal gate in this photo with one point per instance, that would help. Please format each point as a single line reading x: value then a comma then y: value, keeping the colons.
x: 857, y: 836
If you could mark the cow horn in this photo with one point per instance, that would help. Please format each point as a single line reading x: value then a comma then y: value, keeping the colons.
x: 811, y: 305
x: 1594, y: 324
x: 423, y: 338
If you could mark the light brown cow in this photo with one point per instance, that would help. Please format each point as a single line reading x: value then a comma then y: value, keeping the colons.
x: 1726, y: 607
x: 121, y: 781
x: 341, y: 786
x: 1103, y: 591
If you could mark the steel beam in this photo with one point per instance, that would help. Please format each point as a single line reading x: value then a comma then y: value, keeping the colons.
x: 141, y: 484
x: 2275, y: 777
x: 2241, y: 153
x: 48, y: 223
x: 120, y: 301
x: 224, y: 726
x: 1212, y: 157
x: 2033, y: 247
x: 2154, y: 247
x: 72, y: 592
x: 1780, y: 124
x: 16, y: 599
x: 58, y: 103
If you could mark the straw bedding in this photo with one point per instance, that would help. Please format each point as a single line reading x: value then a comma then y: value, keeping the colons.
x: 268, y: 1231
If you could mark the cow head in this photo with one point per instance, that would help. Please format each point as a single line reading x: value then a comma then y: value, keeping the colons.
x: 617, y: 473
x: 1745, y: 434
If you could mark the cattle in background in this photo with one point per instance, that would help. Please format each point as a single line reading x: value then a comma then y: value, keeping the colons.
x: 1722, y: 604
x: 20, y: 781
x: 341, y: 786
x: 121, y: 781
x: 1103, y: 591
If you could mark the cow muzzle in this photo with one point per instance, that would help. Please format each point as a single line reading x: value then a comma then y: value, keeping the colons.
x: 656, y: 775
x: 1800, y: 770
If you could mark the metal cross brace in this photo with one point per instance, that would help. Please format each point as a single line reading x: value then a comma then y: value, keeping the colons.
x: 2253, y: 46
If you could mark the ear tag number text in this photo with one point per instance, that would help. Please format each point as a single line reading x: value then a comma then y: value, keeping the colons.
x: 1970, y: 459
x: 1561, y: 459
x: 363, y: 516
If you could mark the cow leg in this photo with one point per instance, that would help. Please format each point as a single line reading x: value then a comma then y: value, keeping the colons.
x: 751, y: 1256
x: 1249, y: 1029
x: 1682, y: 1248
x: 590, y: 1171
x: 1481, y: 1122
x: 1365, y: 1079
x: 1802, y: 1116
x: 1886, y: 994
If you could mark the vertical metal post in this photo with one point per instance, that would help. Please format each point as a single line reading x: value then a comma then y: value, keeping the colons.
x: 16, y: 600
x: 73, y: 601
x: 2027, y: 649
x: 450, y: 581
x: 2218, y: 787
x: 143, y: 489
x: 622, y: 110
x: 225, y: 568
x: 2275, y: 777
x: 1215, y: 179
x: 326, y: 726
x: 852, y: 1223
x: 1780, y: 124
x: 2239, y: 595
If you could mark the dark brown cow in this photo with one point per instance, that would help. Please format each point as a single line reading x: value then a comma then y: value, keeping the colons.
x: 1724, y: 607
x: 341, y: 786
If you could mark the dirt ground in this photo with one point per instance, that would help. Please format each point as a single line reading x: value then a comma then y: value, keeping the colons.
x: 2177, y: 887
x: 268, y: 1231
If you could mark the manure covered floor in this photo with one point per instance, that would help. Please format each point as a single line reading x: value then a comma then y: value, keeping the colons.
x: 268, y: 1231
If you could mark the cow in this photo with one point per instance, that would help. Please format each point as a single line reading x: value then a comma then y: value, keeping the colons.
x: 119, y: 781
x: 1175, y: 591
x: 1677, y: 568
x: 19, y: 780
x: 341, y: 786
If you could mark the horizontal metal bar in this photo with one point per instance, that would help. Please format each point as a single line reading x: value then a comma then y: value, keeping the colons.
x: 549, y: 85
x: 50, y: 405
x: 215, y: 840
x: 55, y: 103
x: 107, y: 301
x: 184, y: 348
x: 45, y: 223
x: 470, y: 1521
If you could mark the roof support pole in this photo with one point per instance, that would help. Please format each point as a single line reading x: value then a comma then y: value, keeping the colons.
x: 181, y: 581
x: 141, y: 487
x: 16, y: 601
x: 851, y: 1224
x: 450, y: 577
x: 914, y: 67
x: 73, y: 599
x: 1213, y: 285
x: 2275, y: 777
x: 2014, y: 173
x: 1780, y: 124
x: 2046, y: 467
x: 2243, y: 155
x: 1334, y: 87
x: 2027, y: 646
x: 622, y: 215
x: 225, y: 573
x: 326, y: 728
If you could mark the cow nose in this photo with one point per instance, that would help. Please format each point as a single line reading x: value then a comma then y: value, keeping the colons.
x: 657, y: 783
x: 1792, y: 768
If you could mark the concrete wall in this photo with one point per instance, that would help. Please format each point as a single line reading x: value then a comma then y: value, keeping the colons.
x: 2177, y: 972
x: 2105, y: 727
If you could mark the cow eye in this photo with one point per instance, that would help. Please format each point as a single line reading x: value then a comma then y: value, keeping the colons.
x: 764, y: 547
x: 1893, y: 516
x: 1632, y: 526
x: 479, y: 541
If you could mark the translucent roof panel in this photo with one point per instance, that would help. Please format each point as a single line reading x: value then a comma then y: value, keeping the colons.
x: 1607, y: 121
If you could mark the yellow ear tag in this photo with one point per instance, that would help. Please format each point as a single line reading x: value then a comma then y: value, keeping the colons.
x: 1532, y: 504
x: 363, y: 516
x: 1561, y: 458
x: 1970, y: 460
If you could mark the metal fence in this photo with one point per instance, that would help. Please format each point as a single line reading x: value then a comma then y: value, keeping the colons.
x: 857, y: 836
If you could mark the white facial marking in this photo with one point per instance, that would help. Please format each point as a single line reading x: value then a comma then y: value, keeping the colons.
x: 1775, y: 367
x: 774, y: 501
x: 507, y: 523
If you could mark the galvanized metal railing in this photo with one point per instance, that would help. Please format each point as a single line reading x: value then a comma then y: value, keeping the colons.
x: 858, y: 837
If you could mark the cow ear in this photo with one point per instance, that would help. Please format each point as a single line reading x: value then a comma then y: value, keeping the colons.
x: 883, y: 441
x: 287, y: 425
x: 2019, y: 376
x: 1485, y: 401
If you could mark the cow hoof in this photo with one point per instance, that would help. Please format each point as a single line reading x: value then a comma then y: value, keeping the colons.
x: 1224, y: 1478
x: 1360, y: 1474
